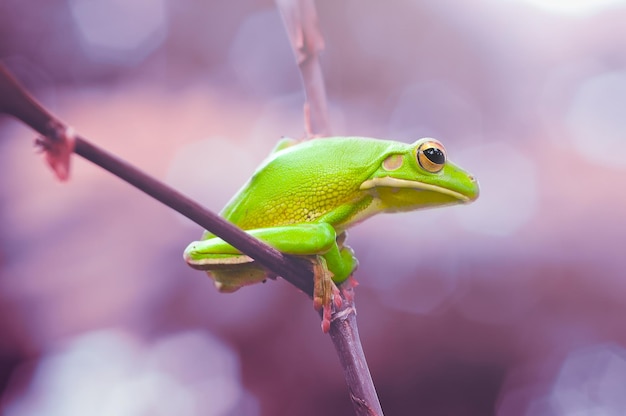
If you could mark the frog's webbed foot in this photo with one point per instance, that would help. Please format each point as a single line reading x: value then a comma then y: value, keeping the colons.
x: 325, y: 292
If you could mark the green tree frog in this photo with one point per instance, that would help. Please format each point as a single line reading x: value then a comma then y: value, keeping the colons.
x: 305, y: 195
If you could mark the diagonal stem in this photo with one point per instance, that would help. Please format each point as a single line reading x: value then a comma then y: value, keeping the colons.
x: 293, y: 269
x: 15, y: 101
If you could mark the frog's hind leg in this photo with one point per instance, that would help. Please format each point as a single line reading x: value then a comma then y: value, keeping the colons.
x: 231, y: 269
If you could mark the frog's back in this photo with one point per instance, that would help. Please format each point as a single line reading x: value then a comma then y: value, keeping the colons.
x: 303, y: 182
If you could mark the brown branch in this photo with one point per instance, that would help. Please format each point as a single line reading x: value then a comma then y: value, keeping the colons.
x: 296, y: 271
x: 300, y: 18
x: 344, y: 333
x: 15, y: 101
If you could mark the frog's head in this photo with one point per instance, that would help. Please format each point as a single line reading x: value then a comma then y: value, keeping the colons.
x: 420, y: 177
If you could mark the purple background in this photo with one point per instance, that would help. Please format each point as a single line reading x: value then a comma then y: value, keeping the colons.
x: 512, y: 306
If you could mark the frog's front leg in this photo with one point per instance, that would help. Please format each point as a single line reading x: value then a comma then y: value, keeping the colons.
x: 325, y: 291
x: 231, y: 269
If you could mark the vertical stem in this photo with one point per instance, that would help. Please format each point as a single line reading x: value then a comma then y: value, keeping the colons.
x: 345, y: 335
x: 300, y: 18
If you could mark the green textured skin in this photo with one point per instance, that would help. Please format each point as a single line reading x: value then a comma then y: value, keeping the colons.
x: 319, y: 180
x: 336, y: 181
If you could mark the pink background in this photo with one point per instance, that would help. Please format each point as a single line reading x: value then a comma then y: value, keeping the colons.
x: 512, y: 306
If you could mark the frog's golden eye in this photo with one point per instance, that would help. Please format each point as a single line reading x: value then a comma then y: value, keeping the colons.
x: 431, y: 156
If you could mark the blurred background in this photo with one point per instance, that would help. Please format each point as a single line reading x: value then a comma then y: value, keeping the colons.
x: 512, y: 306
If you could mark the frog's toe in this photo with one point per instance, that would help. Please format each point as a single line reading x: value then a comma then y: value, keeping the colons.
x: 326, y: 305
x: 326, y: 319
x: 337, y: 300
x: 226, y: 288
x: 347, y: 288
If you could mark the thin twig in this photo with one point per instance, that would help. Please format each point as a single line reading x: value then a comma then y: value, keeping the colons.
x: 15, y: 101
x: 300, y: 18
x: 296, y: 271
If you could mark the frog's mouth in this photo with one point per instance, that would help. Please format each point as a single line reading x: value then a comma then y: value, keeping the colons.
x: 389, y: 182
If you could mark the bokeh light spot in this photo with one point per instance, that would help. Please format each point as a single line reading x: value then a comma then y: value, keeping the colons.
x: 508, y: 189
x: 211, y: 170
x: 261, y: 57
x: 120, y: 31
x: 433, y: 109
x: 576, y: 7
x: 597, y: 119
x: 109, y: 372
x: 591, y: 382
x: 408, y: 275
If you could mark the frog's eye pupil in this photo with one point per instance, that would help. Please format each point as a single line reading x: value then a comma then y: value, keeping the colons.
x: 435, y: 155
